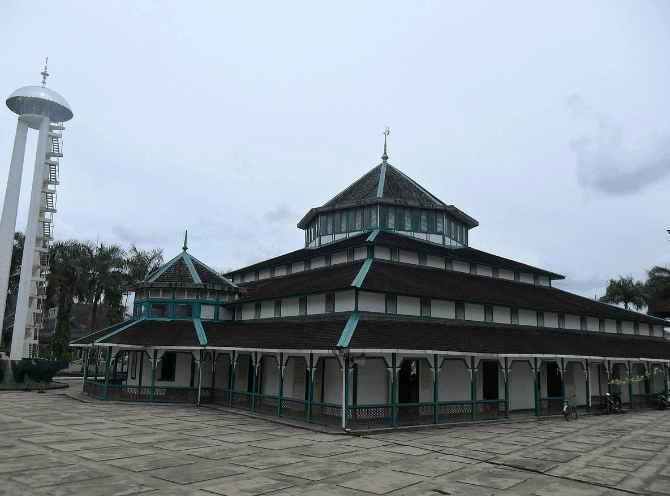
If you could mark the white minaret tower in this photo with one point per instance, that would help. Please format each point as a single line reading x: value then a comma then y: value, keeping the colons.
x: 42, y: 109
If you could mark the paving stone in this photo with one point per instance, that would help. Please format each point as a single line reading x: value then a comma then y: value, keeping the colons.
x: 314, y: 472
x: 363, y: 442
x: 430, y: 467
x: 322, y: 450
x: 555, y: 455
x: 52, y: 438
x: 381, y: 482
x: 114, y: 453
x: 112, y: 487
x: 494, y: 478
x: 264, y: 462
x: 280, y: 444
x: 533, y: 464
x: 248, y: 487
x: 452, y: 488
x: 150, y: 462
x: 241, y: 437
x: 187, y: 474
x: 631, y: 454
x: 376, y: 459
x: 57, y: 475
x: 82, y: 444
x: 565, y: 488
x: 187, y: 444
x: 18, y: 451
x: 222, y: 452
x: 614, y: 463
x: 32, y: 462
x: 151, y: 438
x: 407, y: 450
x: 493, y: 447
x: 458, y: 459
x: 123, y: 431
x: 598, y: 475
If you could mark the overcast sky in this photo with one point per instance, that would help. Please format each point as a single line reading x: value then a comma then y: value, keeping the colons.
x: 549, y: 124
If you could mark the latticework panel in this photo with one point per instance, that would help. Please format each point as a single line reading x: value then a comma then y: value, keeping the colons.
x: 295, y: 409
x: 598, y: 402
x: 370, y: 415
x: 220, y: 397
x: 491, y: 410
x: 176, y: 395
x: 88, y: 388
x: 641, y: 401
x: 98, y: 390
x: 551, y: 406
x: 454, y: 412
x: 326, y: 414
x: 413, y: 414
x: 242, y: 400
x: 266, y: 404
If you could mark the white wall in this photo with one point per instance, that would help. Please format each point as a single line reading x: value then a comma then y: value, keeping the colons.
x: 280, y: 270
x: 360, y: 253
x: 443, y: 309
x: 248, y: 311
x: 506, y: 274
x: 345, y: 301
x: 206, y: 373
x: 474, y: 312
x: 267, y: 309
x: 408, y: 257
x: 297, y: 266
x: 460, y: 266
x: 182, y: 376
x: 332, y: 382
x: 222, y: 369
x: 338, y: 257
x: 371, y: 302
x: 484, y: 270
x: 628, y: 327
x: 526, y: 277
x: 317, y: 262
x: 433, y: 261
x: 521, y: 386
x: 592, y: 323
x: 316, y: 304
x: 544, y: 281
x: 454, y: 381
x: 225, y: 314
x: 610, y: 325
x: 572, y: 322
x: 264, y: 274
x: 382, y: 253
x: 501, y: 315
x: 269, y: 376
x: 408, y: 305
x: 550, y: 319
x: 527, y: 317
x: 575, y: 383
x: 290, y: 307
x: 373, y: 381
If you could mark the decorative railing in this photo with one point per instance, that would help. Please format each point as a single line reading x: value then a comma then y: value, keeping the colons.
x: 242, y: 400
x: 491, y: 409
x: 598, y: 402
x: 296, y: 409
x: 88, y: 388
x: 454, y: 411
x: 551, y: 406
x: 325, y: 413
x: 266, y: 404
x: 176, y: 395
x: 369, y: 415
x: 221, y: 396
x: 415, y: 413
x: 132, y: 393
x: 642, y: 401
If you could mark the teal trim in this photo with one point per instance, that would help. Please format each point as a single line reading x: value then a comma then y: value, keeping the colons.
x: 382, y: 177
x: 109, y: 358
x: 362, y: 273
x: 118, y: 330
x: 373, y: 235
x: 202, y: 337
x: 191, y: 269
x: 349, y: 329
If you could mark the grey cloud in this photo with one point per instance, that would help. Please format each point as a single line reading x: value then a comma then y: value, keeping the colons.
x: 279, y: 213
x: 150, y: 237
x: 606, y: 164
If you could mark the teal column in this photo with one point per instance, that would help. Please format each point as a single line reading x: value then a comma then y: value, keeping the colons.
x: 231, y: 378
x: 254, y: 386
x: 394, y: 392
x: 563, y: 378
x: 139, y: 377
x: 281, y: 383
x: 153, y: 374
x: 310, y: 394
x: 345, y: 410
x: 88, y: 350
x: 588, y: 386
x: 630, y: 386
x: 109, y: 357
x: 506, y: 389
x: 213, y: 372
x: 473, y: 388
x: 436, y: 390
x: 609, y: 377
x: 536, y: 373
x: 354, y: 396
x: 651, y: 384
x: 97, y: 361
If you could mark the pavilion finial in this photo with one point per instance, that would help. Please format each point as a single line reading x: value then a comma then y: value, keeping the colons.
x: 185, y: 247
x: 385, y: 155
x: 45, y: 73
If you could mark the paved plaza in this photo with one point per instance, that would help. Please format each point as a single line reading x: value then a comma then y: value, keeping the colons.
x: 60, y: 443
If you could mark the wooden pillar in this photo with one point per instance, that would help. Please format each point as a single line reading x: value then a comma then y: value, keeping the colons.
x: 281, y: 383
x: 506, y: 388
x: 310, y: 385
x: 536, y: 373
x: 394, y: 392
x: 109, y: 357
x: 436, y: 390
x: 473, y: 388
x: 153, y: 374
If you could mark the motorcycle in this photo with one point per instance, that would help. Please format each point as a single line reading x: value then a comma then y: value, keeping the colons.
x: 612, y: 403
x: 661, y: 400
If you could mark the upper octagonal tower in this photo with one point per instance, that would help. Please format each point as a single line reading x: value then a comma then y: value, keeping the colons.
x: 385, y: 198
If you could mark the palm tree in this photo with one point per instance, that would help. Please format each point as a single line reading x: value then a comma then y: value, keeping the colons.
x: 105, y: 267
x: 141, y: 263
x: 13, y: 287
x: 64, y: 282
x: 625, y: 290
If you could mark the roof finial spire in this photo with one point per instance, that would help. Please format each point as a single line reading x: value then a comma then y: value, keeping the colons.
x: 45, y: 73
x: 185, y: 247
x: 385, y: 155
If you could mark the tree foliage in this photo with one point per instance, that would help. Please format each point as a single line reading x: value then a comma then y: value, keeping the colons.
x: 625, y: 290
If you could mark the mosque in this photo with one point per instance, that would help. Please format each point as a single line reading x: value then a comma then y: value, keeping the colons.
x: 386, y: 317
